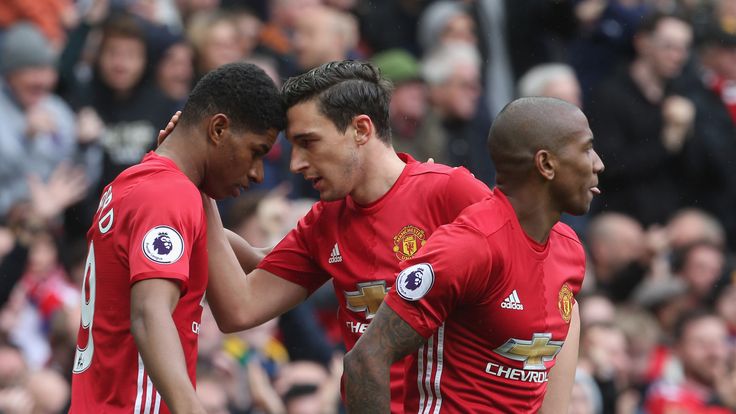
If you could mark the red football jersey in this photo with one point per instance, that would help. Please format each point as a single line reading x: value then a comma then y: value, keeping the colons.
x: 149, y: 224
x: 495, y: 307
x: 361, y: 247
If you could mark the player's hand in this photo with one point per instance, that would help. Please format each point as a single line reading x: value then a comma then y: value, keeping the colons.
x: 162, y: 134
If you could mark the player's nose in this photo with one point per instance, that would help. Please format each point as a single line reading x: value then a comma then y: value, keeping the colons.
x: 298, y: 161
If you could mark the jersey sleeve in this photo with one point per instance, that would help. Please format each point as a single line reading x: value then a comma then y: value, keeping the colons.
x: 462, y: 190
x: 166, y: 219
x: 292, y: 260
x: 452, y: 269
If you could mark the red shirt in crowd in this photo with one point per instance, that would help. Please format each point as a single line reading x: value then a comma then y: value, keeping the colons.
x: 495, y: 307
x: 670, y: 398
x: 360, y: 247
x: 149, y: 224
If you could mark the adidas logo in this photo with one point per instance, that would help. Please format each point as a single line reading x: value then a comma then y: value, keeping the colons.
x: 335, y: 256
x: 511, y: 302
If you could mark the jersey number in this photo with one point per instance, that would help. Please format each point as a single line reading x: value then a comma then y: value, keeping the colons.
x: 83, y: 356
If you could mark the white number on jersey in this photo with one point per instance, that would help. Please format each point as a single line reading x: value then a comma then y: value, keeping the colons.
x: 83, y: 356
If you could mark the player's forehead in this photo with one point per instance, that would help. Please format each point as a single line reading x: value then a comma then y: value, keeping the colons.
x: 305, y: 118
x: 267, y: 137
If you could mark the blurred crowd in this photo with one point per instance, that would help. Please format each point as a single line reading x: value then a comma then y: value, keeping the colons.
x: 85, y: 86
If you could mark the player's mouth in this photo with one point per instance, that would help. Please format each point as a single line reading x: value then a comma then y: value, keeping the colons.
x: 316, y: 181
x: 237, y: 189
x: 595, y: 190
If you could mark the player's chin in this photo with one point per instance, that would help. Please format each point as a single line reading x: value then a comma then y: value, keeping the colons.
x: 331, y: 195
x: 580, y: 208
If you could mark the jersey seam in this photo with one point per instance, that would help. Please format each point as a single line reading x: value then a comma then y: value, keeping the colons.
x: 577, y: 241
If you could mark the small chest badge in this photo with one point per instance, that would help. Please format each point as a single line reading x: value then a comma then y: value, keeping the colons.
x: 565, y: 302
x: 408, y: 241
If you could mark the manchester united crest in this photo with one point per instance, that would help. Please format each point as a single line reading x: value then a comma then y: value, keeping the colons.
x: 408, y: 241
x: 565, y: 302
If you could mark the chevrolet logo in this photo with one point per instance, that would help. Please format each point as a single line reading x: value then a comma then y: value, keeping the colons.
x: 533, y: 353
x: 367, y: 298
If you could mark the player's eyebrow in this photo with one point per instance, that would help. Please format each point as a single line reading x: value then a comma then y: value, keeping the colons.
x: 302, y: 135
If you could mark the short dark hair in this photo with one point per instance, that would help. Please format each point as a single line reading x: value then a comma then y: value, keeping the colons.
x: 344, y: 89
x: 243, y: 92
x: 123, y: 24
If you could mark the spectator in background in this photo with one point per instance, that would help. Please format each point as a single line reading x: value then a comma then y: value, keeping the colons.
x: 649, y: 358
x: 445, y: 22
x: 276, y: 34
x: 596, y: 308
x: 710, y: 183
x: 605, y: 29
x: 702, y: 265
x: 173, y: 58
x: 124, y: 106
x: 323, y: 35
x: 619, y: 255
x: 47, y: 304
x: 586, y: 398
x: 249, y: 29
x: 641, y: 128
x: 555, y: 80
x: 38, y: 129
x: 52, y: 17
x: 452, y: 74
x: 725, y: 306
x: 408, y: 107
x: 604, y: 356
x: 702, y: 348
x: 215, y: 38
x: 691, y: 225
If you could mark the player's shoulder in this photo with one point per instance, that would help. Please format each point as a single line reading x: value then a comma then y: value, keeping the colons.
x: 324, y: 210
x: 438, y: 172
x: 156, y: 182
x: 566, y: 233
x: 488, y: 216
x: 431, y: 168
x: 444, y: 181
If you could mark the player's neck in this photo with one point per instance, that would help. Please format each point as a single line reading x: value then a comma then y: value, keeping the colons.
x: 536, y: 214
x: 180, y: 151
x: 382, y: 169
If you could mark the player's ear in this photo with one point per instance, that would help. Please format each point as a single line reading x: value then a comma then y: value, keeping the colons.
x: 217, y: 127
x: 364, y: 128
x: 546, y: 164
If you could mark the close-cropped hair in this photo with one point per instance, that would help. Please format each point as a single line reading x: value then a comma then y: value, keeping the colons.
x: 344, y: 90
x: 243, y: 92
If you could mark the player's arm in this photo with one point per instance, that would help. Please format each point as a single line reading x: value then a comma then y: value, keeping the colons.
x: 248, y: 256
x: 152, y: 302
x: 387, y: 340
x: 562, y: 375
x: 240, y: 302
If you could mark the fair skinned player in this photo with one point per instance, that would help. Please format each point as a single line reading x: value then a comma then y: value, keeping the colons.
x: 486, y: 310
x: 146, y: 270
